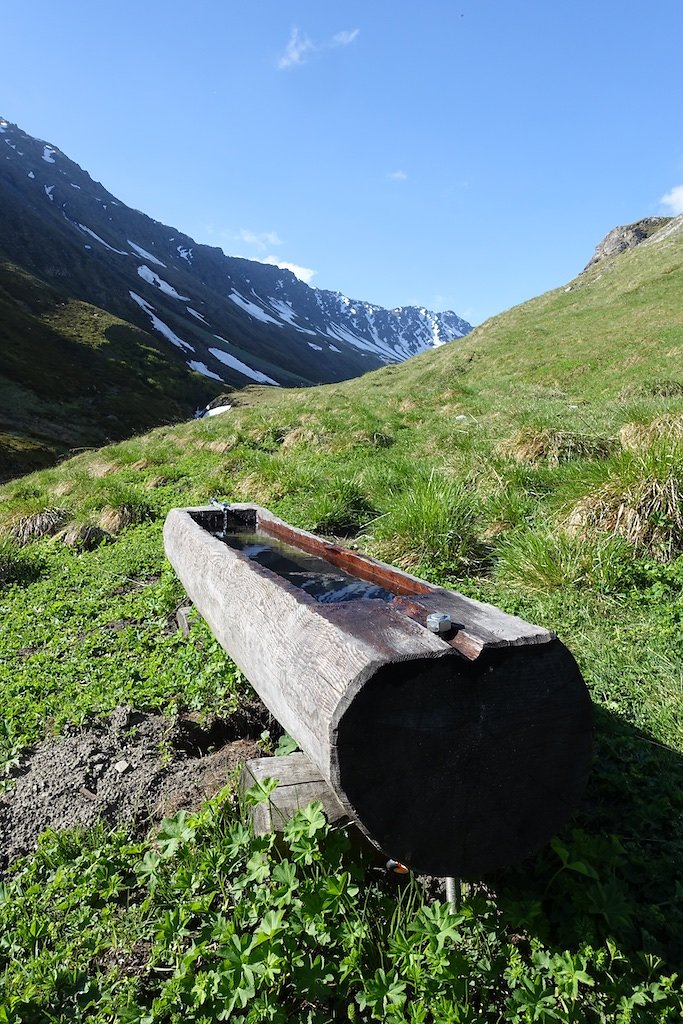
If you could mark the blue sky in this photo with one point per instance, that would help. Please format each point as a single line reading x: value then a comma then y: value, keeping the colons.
x: 462, y: 155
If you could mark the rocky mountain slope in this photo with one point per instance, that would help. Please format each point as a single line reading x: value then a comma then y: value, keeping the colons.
x: 210, y: 319
x: 215, y: 310
x: 625, y: 237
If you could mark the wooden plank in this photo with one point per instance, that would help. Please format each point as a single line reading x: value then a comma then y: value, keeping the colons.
x: 291, y: 769
x: 353, y: 562
x: 300, y: 783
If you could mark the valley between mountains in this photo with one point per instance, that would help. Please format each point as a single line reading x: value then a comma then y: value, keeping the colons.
x: 112, y: 322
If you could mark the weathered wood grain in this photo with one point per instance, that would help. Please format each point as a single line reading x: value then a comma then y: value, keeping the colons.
x: 456, y: 754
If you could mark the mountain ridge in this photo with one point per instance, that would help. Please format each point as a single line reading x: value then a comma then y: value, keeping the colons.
x: 218, y: 321
x: 243, y: 293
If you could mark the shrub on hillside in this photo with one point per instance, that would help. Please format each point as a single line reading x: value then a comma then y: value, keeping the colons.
x: 340, y: 508
x: 433, y: 522
x: 44, y: 523
x: 84, y: 536
x: 541, y: 560
x: 532, y: 445
x: 637, y: 436
x: 655, y: 389
x: 641, y: 501
x: 115, y: 518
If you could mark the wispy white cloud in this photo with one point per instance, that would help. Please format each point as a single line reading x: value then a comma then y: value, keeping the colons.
x: 397, y: 176
x: 344, y: 38
x: 300, y: 46
x: 674, y: 200
x: 304, y: 274
x: 296, y: 51
x: 262, y: 240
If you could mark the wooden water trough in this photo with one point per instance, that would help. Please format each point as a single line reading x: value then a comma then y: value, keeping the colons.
x: 456, y: 736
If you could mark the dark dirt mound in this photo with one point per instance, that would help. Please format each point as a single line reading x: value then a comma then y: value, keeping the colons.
x: 133, y: 767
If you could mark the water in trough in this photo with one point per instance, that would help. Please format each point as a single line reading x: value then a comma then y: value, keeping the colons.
x: 316, y: 576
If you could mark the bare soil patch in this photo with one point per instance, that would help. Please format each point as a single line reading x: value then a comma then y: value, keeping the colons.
x: 133, y: 767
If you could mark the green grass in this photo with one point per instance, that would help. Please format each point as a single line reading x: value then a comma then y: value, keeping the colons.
x: 211, y: 924
x: 433, y: 522
x: 419, y: 463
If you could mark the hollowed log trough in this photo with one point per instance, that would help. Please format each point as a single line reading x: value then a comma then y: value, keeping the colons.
x: 456, y: 753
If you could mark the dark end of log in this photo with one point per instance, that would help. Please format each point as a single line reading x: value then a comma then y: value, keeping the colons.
x: 481, y: 763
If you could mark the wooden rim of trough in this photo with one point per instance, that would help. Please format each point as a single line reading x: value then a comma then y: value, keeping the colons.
x: 477, y: 626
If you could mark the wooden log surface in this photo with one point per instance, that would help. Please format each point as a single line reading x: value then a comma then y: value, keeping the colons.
x: 455, y: 754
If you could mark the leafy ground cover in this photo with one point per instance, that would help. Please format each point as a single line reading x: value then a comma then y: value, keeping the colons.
x: 536, y: 465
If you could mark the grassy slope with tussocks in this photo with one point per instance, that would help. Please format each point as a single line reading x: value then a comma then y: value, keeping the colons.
x: 537, y: 464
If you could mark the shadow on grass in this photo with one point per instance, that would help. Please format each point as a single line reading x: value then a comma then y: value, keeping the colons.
x: 616, y: 871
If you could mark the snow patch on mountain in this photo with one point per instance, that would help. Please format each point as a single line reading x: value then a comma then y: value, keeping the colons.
x: 341, y: 334
x: 47, y: 154
x: 252, y: 309
x: 218, y: 410
x: 159, y: 325
x: 151, y: 278
x: 48, y: 192
x: 185, y: 254
x: 97, y: 238
x: 199, y: 316
x: 285, y: 312
x: 391, y: 335
x: 204, y: 370
x: 237, y: 364
x: 143, y: 252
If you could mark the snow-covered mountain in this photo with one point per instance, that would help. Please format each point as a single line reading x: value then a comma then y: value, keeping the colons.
x: 233, y: 321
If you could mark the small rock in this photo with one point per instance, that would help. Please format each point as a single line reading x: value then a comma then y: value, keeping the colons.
x: 121, y: 767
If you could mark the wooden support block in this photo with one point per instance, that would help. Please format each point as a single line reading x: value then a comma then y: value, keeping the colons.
x: 184, y: 617
x: 300, y: 783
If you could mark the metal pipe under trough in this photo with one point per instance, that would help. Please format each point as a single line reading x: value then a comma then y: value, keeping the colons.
x: 458, y: 750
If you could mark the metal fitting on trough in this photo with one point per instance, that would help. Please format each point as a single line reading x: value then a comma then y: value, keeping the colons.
x: 439, y: 622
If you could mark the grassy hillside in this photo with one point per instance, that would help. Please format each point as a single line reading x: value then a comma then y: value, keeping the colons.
x: 74, y: 376
x: 537, y: 465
